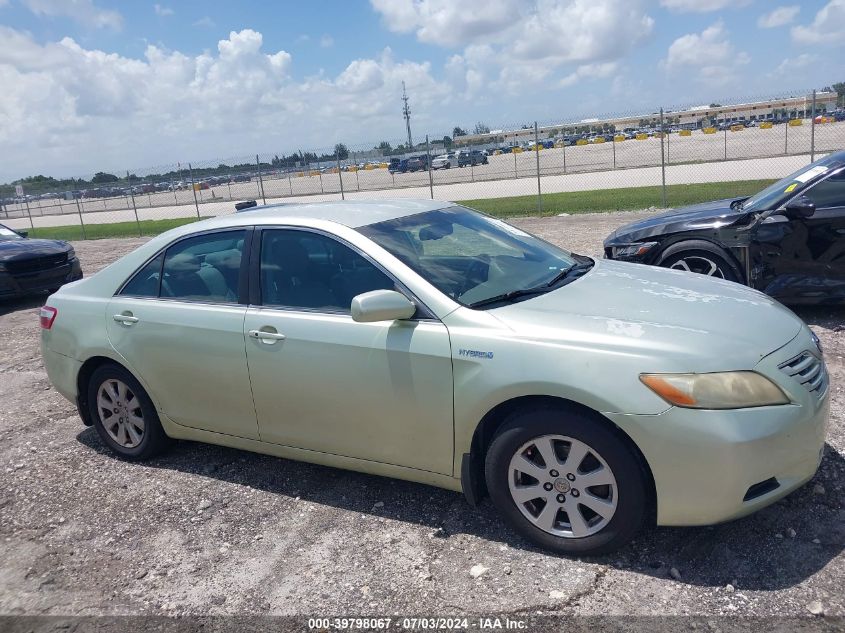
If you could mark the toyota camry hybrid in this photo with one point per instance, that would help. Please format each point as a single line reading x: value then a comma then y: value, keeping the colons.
x: 425, y: 341
x: 788, y: 240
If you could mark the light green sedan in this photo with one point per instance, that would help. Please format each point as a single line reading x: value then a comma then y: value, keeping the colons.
x: 425, y: 341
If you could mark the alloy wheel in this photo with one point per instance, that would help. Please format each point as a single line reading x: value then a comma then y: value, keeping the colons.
x: 120, y: 413
x: 563, y: 486
x: 700, y: 265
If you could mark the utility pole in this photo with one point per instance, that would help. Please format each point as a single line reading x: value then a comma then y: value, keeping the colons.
x: 406, y: 112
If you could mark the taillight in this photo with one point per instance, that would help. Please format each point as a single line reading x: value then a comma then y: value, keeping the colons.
x: 47, y: 315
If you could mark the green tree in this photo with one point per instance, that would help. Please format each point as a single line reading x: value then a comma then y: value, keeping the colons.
x: 839, y: 88
x: 481, y: 128
x: 385, y: 148
x: 101, y: 177
x: 341, y: 151
x: 458, y: 131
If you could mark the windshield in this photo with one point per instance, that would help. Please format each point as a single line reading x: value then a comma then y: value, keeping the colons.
x: 469, y: 256
x: 8, y: 234
x: 772, y: 196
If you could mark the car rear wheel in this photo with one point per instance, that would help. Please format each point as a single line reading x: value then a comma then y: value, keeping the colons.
x: 123, y: 414
x: 697, y: 256
x: 565, y: 481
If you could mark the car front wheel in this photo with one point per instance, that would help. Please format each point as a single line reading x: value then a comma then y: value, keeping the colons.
x: 123, y: 414
x: 698, y: 256
x: 565, y: 481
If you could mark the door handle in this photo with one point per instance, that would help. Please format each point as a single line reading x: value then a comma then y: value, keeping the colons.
x: 267, y: 337
x: 126, y: 319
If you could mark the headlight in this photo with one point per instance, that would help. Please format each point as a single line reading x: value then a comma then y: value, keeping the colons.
x: 816, y: 339
x: 722, y: 390
x: 71, y: 253
x: 633, y: 250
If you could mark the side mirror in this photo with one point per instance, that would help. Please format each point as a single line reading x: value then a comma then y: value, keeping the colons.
x: 799, y: 208
x: 382, y: 305
x: 23, y: 233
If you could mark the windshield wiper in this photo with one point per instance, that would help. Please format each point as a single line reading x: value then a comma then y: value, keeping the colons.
x: 509, y: 296
x: 738, y: 203
x: 573, y: 272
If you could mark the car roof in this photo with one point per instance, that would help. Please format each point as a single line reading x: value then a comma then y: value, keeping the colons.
x: 350, y: 213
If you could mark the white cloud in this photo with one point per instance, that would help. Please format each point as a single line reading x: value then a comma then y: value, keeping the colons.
x: 205, y: 22
x: 87, y: 110
x: 700, y: 6
x: 581, y: 31
x: 589, y: 71
x: 82, y: 11
x: 710, y: 47
x: 326, y: 41
x: 789, y: 65
x: 524, y: 43
x: 828, y: 27
x: 778, y: 17
x: 710, y: 53
x: 446, y: 22
x: 162, y: 11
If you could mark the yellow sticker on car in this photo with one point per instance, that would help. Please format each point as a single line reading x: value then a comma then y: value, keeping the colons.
x: 790, y: 187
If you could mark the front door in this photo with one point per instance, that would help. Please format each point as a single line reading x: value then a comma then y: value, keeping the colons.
x: 178, y: 324
x: 323, y: 382
x: 804, y: 259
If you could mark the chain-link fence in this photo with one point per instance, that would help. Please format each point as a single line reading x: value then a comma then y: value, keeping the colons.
x: 628, y: 160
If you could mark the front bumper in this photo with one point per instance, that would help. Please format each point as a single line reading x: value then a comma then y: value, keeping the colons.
x: 714, y: 466
x: 19, y: 285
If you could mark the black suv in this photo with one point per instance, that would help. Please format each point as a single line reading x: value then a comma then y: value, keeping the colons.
x: 29, y: 266
x: 787, y: 241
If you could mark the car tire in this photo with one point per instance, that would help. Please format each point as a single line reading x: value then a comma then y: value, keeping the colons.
x: 702, y: 257
x: 622, y: 502
x: 129, y: 426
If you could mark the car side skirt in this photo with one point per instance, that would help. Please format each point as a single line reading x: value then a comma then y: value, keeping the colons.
x: 177, y: 431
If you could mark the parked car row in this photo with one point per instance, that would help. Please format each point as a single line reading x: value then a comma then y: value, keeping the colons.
x: 138, y: 189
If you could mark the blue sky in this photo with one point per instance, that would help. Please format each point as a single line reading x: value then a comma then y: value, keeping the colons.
x: 99, y: 84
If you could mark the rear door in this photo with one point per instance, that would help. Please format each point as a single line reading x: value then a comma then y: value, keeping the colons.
x: 178, y: 323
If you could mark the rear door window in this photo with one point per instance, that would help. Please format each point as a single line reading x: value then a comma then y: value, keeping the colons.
x: 146, y: 281
x: 204, y: 268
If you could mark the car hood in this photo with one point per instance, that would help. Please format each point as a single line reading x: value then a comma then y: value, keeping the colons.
x: 685, y: 321
x: 24, y: 249
x: 715, y: 214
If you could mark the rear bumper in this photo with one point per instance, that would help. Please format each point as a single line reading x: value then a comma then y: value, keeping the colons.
x: 62, y: 371
x: 19, y: 285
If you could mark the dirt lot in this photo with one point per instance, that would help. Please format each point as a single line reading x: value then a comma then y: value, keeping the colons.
x: 205, y: 529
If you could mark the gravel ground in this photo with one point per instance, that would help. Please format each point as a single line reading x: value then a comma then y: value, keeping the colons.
x: 210, y: 530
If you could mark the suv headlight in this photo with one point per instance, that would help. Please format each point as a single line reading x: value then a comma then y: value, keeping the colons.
x: 71, y: 254
x: 721, y: 390
x: 632, y: 250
